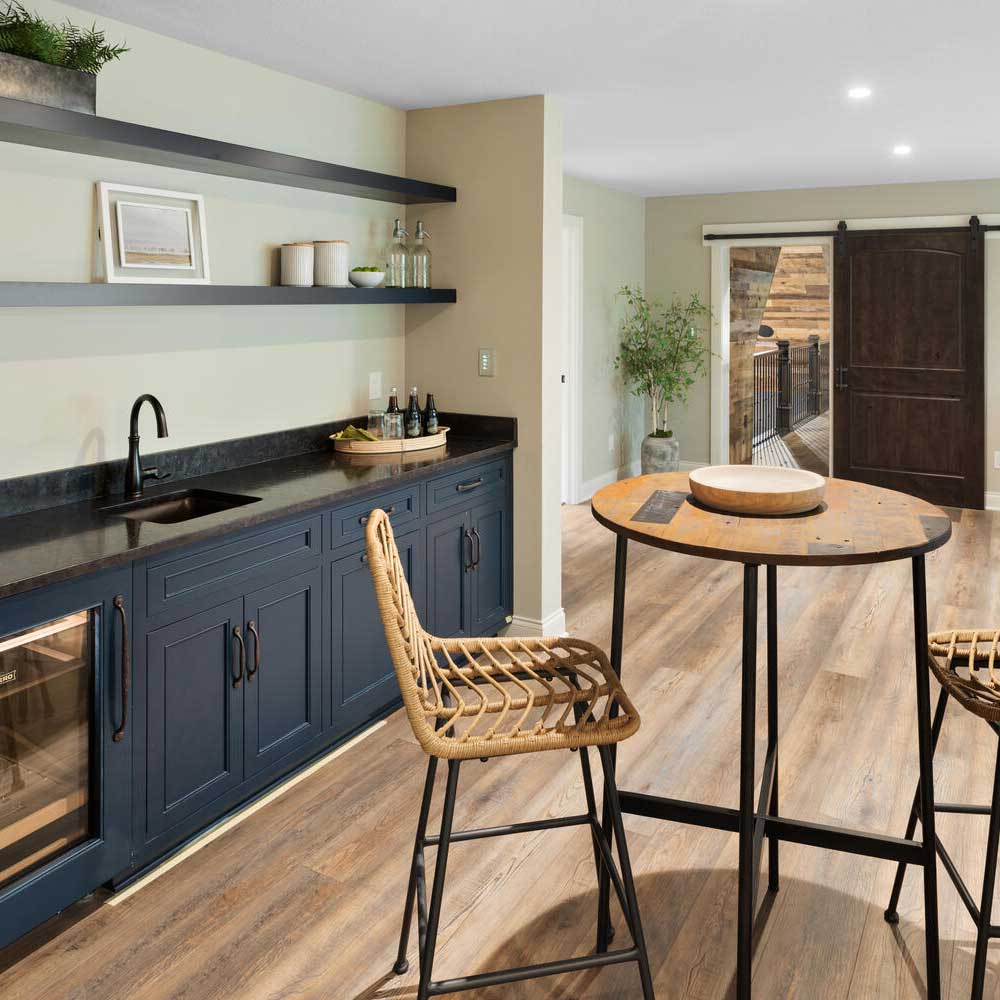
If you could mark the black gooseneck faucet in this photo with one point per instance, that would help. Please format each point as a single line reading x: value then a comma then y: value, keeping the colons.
x: 135, y: 474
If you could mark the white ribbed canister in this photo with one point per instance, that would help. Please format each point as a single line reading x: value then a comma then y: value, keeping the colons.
x: 331, y: 266
x: 297, y: 264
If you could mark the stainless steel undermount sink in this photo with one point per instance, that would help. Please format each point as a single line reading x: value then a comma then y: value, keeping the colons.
x: 172, y: 508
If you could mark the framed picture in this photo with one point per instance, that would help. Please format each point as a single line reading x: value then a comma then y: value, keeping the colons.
x: 147, y: 235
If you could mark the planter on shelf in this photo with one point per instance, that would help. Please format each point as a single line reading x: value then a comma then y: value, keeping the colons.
x: 41, y: 83
x: 660, y: 454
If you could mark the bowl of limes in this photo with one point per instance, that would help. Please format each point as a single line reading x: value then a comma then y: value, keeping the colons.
x: 366, y: 277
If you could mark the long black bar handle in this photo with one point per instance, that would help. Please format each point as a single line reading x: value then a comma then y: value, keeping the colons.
x: 252, y: 629
x: 388, y: 511
x: 479, y: 548
x: 471, y: 563
x: 119, y: 603
x: 465, y: 487
x: 238, y: 636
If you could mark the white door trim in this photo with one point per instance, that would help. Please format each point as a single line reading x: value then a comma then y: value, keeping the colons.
x: 572, y: 366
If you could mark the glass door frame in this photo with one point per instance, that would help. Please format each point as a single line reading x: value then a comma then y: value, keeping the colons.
x: 70, y: 875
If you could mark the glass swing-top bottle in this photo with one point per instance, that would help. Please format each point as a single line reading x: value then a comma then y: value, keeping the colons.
x: 397, y: 259
x: 420, y: 259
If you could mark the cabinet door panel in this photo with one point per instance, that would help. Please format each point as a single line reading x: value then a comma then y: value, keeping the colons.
x: 363, y: 678
x: 282, y: 696
x: 449, y: 553
x: 195, y: 733
x: 489, y: 581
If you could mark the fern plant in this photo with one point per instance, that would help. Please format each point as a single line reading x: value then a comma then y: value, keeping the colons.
x: 32, y: 37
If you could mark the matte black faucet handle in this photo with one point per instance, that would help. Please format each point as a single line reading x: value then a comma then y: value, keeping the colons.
x: 154, y: 473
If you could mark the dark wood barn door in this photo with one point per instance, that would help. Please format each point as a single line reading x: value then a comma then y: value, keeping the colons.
x: 908, y: 405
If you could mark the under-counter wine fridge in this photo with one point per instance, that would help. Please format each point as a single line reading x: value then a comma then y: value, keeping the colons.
x: 64, y: 774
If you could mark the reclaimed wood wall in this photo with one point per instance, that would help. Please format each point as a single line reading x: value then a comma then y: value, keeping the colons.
x: 799, y: 301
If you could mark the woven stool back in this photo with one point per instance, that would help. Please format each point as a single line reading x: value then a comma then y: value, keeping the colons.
x: 967, y: 663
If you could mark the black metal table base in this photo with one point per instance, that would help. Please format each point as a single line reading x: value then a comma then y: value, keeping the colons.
x: 757, y: 821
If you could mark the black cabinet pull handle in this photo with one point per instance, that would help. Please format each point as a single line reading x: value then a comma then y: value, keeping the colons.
x: 388, y: 511
x: 119, y: 733
x: 479, y: 548
x: 465, y: 487
x: 238, y: 635
x: 252, y: 629
x: 470, y: 564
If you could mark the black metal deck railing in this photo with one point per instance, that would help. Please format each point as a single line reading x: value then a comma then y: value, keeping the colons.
x: 790, y: 385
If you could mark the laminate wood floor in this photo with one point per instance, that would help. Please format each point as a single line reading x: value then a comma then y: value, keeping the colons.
x: 303, y: 899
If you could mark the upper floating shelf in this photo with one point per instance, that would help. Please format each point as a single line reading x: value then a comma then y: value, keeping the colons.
x: 52, y: 128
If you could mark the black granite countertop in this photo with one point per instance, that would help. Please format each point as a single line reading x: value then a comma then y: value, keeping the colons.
x: 47, y: 546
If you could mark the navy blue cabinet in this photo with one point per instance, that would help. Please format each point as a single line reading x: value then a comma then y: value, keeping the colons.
x: 65, y: 745
x: 364, y: 682
x: 194, y: 710
x: 283, y: 693
x: 450, y: 553
x: 491, y: 574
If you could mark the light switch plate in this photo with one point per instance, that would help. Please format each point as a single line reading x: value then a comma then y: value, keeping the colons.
x: 374, y: 385
x: 487, y: 362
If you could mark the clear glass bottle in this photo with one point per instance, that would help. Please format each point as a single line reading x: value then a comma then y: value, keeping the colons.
x: 397, y: 259
x: 420, y: 259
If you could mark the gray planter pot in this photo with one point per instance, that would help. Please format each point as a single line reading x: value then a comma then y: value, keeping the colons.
x: 660, y: 455
x: 54, y: 86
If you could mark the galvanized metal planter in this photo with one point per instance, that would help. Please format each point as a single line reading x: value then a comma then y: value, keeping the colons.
x: 54, y: 86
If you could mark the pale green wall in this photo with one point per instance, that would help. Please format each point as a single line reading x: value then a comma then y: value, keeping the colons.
x: 70, y: 375
x: 613, y: 255
x: 677, y: 261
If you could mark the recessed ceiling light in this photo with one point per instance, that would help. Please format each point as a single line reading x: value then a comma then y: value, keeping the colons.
x: 859, y: 93
x: 902, y: 149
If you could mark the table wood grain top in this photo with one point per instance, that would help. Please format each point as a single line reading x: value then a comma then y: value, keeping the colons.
x: 856, y: 523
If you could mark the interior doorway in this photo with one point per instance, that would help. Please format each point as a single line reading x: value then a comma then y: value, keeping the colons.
x: 780, y: 329
x: 570, y: 363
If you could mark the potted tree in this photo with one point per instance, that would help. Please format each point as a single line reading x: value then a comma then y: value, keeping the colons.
x: 51, y: 64
x: 661, y: 354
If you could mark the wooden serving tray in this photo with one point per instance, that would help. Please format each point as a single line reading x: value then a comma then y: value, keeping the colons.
x: 390, y: 446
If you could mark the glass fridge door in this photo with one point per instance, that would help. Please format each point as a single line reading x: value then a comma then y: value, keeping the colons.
x: 47, y: 788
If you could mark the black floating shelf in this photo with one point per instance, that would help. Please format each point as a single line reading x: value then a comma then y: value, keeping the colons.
x: 55, y: 293
x: 53, y: 128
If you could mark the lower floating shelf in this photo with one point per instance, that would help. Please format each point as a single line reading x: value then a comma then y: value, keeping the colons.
x: 57, y: 293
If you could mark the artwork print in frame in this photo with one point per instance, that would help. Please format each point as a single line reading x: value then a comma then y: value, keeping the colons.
x: 150, y: 235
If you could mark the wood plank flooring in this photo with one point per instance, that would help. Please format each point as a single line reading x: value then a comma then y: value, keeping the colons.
x: 303, y: 899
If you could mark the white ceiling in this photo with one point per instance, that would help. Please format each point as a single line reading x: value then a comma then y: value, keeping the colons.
x: 660, y: 96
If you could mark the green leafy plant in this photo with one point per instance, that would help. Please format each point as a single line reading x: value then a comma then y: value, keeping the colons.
x: 31, y: 36
x: 662, y: 350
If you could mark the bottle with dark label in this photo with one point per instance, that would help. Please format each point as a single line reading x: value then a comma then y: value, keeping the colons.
x: 430, y: 415
x: 393, y: 406
x: 413, y: 420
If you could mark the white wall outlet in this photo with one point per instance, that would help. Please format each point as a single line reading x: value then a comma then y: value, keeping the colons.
x: 374, y: 385
x: 996, y: 460
x: 487, y: 362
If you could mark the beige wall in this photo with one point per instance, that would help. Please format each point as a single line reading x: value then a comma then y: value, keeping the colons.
x: 70, y: 375
x: 614, y: 254
x: 676, y: 261
x: 499, y: 245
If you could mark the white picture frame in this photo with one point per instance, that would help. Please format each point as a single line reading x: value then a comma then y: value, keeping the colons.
x: 166, y: 227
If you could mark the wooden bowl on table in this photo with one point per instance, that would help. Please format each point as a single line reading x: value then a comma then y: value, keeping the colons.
x: 757, y: 489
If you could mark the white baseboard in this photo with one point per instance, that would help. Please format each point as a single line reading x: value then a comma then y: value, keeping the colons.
x: 591, y: 486
x: 992, y: 501
x: 554, y: 624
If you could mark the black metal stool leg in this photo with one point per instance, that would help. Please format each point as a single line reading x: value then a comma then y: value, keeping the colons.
x: 891, y: 913
x: 772, y: 717
x: 605, y: 932
x: 927, y: 819
x: 402, y: 965
x: 744, y: 945
x: 437, y: 892
x: 635, y: 923
x: 989, y: 887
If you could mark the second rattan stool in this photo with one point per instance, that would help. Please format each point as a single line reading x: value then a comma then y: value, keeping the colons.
x: 958, y: 660
x: 482, y: 698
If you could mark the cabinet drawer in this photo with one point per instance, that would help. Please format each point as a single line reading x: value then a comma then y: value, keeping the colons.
x: 176, y: 582
x: 466, y: 486
x: 402, y: 506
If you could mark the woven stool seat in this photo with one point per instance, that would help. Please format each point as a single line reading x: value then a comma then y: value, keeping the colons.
x: 489, y: 697
x: 967, y: 665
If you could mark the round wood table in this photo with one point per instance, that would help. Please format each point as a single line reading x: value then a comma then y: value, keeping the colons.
x: 856, y: 524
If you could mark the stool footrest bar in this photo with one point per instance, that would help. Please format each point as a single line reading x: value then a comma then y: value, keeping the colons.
x: 554, y: 823
x: 958, y: 807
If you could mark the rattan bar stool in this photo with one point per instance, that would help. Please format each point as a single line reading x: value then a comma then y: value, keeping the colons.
x: 958, y: 660
x: 483, y: 698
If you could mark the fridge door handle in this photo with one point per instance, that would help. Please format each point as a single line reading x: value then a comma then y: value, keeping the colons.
x: 119, y: 604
